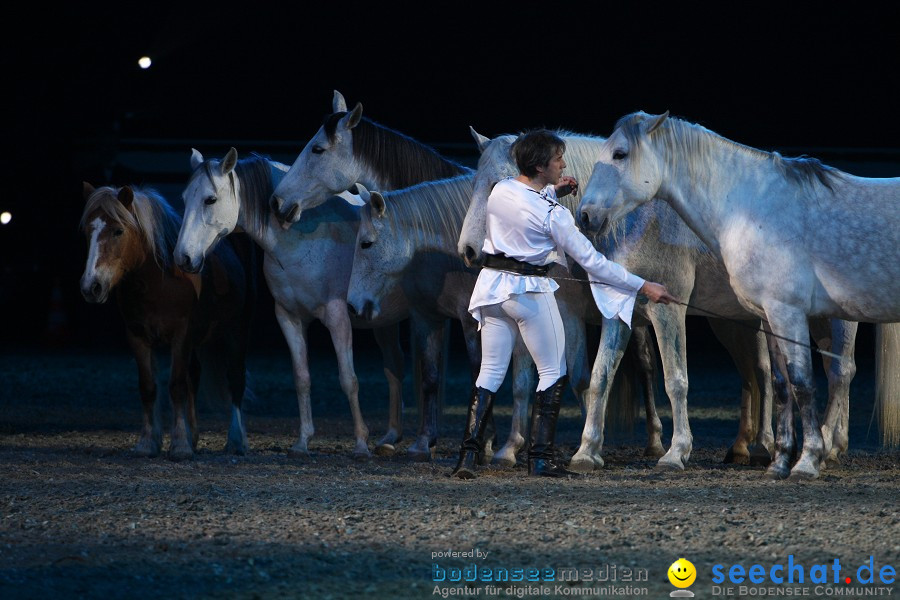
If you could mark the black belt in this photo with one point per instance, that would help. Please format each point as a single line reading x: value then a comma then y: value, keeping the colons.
x: 505, y: 263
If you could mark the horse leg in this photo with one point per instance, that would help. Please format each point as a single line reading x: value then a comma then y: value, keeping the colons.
x: 429, y: 336
x: 181, y: 390
x: 785, y: 447
x: 523, y: 386
x: 838, y: 337
x: 749, y: 351
x: 668, y: 323
x: 337, y: 320
x: 791, y: 324
x: 236, y: 442
x: 388, y: 339
x: 614, y: 338
x: 645, y: 352
x: 294, y: 330
x: 150, y: 442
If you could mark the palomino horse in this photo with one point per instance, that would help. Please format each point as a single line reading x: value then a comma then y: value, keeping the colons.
x: 203, y: 318
x: 308, y: 269
x: 408, y: 238
x: 799, y: 239
x: 654, y: 244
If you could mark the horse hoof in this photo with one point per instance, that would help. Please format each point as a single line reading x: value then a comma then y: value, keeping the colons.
x: 654, y: 451
x: 419, y: 456
x: 504, y: 462
x: 665, y: 464
x: 776, y: 473
x: 803, y: 475
x: 236, y: 449
x: 733, y: 458
x: 180, y: 455
x: 760, y: 457
x: 582, y: 464
x: 361, y: 455
x: 143, y: 451
x: 298, y: 453
x: 385, y: 450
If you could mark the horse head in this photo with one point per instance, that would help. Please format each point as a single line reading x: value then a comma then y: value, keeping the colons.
x: 373, y: 252
x: 495, y: 164
x: 325, y: 167
x: 626, y: 174
x: 115, y: 243
x: 211, y: 209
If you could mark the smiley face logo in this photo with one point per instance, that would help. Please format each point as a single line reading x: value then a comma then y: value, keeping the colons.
x: 682, y: 573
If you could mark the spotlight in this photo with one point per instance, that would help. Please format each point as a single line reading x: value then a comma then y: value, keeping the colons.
x: 5, y: 217
x: 144, y: 62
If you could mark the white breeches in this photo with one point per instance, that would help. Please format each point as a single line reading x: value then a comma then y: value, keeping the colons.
x: 534, y: 315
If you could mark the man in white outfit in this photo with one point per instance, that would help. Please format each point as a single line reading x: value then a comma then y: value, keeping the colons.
x: 527, y: 231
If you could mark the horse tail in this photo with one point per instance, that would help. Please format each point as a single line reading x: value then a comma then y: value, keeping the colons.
x: 638, y: 369
x: 624, y: 399
x: 887, y: 382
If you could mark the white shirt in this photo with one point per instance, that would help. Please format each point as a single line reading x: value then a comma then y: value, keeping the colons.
x: 532, y: 227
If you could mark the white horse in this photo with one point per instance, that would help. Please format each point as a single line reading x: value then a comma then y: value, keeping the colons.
x: 349, y: 149
x: 307, y: 270
x: 408, y: 238
x: 799, y: 240
x: 657, y: 245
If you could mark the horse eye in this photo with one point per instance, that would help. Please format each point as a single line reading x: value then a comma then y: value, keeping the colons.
x: 210, y: 200
x: 118, y: 232
x: 366, y: 245
x: 619, y: 155
x: 318, y: 149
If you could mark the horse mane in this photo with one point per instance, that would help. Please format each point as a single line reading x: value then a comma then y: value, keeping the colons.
x: 433, y: 209
x: 256, y: 188
x: 400, y: 160
x: 150, y: 215
x: 695, y: 145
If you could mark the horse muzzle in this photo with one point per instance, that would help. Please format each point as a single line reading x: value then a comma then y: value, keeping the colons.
x: 365, y: 310
x: 472, y: 256
x: 187, y: 264
x: 94, y: 291
x: 287, y: 213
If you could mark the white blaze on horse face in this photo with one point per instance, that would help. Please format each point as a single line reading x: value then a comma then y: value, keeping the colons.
x: 211, y: 210
x: 92, y: 271
x: 494, y: 165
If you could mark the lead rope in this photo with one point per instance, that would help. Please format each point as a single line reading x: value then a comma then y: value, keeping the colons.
x: 710, y: 313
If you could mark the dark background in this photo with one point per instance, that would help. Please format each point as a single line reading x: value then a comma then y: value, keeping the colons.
x: 798, y: 78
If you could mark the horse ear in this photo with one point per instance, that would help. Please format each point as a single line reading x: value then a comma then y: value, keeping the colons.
x: 229, y: 161
x: 480, y: 140
x: 338, y: 104
x: 196, y: 158
x: 378, y: 204
x: 88, y: 189
x: 361, y: 191
x: 126, y: 196
x: 656, y: 122
x: 351, y: 120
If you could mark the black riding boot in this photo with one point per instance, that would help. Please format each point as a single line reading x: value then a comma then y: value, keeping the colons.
x: 544, y: 413
x: 472, y: 449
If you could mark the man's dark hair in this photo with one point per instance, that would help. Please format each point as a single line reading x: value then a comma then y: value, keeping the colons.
x: 535, y: 149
